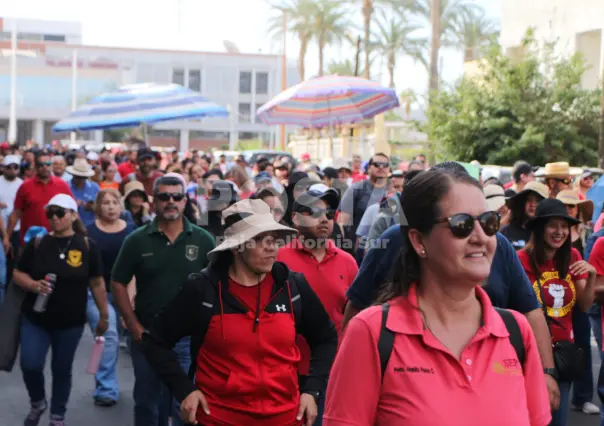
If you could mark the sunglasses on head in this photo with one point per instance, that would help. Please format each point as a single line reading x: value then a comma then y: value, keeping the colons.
x: 43, y: 163
x: 317, y: 212
x: 381, y: 164
x: 462, y: 224
x: 166, y: 196
x: 59, y: 212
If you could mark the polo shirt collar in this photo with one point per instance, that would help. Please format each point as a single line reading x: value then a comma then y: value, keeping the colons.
x: 330, y: 248
x: 52, y: 179
x: 154, y: 227
x: 408, y: 318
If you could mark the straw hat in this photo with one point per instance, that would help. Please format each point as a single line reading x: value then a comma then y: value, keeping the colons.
x: 559, y: 169
x: 80, y: 168
x: 245, y: 220
x: 495, y: 196
x: 533, y: 186
x: 570, y: 197
x: 135, y: 186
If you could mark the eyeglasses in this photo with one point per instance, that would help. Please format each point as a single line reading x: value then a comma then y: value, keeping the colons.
x: 564, y: 181
x: 43, y: 163
x: 59, y: 212
x: 165, y: 196
x: 462, y: 224
x: 379, y: 164
x: 13, y: 166
x: 316, y: 212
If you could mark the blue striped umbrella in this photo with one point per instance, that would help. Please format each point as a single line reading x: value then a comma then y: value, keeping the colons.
x: 328, y: 100
x: 138, y: 104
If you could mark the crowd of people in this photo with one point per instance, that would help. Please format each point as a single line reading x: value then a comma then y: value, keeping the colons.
x: 279, y: 293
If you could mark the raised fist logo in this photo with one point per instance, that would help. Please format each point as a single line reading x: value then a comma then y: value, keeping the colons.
x: 557, y: 292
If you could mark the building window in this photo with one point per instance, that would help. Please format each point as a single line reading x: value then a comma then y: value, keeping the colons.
x: 261, y: 83
x: 248, y: 135
x: 178, y: 76
x: 206, y: 135
x: 245, y: 113
x: 256, y: 118
x: 54, y: 37
x: 5, y: 36
x: 245, y: 82
x: 29, y: 36
x: 195, y: 80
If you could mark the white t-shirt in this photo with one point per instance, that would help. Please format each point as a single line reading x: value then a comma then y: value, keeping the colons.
x: 8, y: 192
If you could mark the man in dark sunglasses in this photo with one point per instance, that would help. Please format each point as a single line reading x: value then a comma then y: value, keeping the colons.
x: 32, y: 197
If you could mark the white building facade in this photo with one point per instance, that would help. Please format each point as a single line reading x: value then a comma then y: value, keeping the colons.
x: 242, y: 82
x: 575, y: 26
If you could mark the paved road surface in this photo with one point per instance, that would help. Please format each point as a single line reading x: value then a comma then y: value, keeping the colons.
x: 81, y: 410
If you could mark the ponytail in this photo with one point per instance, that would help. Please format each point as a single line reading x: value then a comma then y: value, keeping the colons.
x: 79, y: 228
x: 406, y: 271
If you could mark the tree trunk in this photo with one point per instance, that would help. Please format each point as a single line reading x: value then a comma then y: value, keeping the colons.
x: 367, y: 12
x: 391, y: 66
x: 468, y: 54
x: 357, y: 57
x: 601, y: 140
x: 321, y: 51
x: 435, y: 12
x: 302, y: 57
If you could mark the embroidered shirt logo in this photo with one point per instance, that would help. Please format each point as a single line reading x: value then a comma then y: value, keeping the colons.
x: 508, y: 367
x: 191, y: 252
x: 281, y: 308
x: 74, y: 258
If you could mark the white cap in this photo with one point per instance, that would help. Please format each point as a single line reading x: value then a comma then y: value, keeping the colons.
x: 92, y: 156
x: 319, y: 187
x: 12, y: 159
x: 63, y: 200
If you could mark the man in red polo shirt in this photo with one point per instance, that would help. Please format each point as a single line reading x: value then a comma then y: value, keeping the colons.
x: 146, y: 174
x: 32, y: 197
x: 328, y: 269
x: 128, y: 166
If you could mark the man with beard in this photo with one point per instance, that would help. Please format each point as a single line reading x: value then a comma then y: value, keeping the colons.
x: 32, y: 197
x: 160, y: 255
x: 146, y: 174
x: 9, y: 185
x: 328, y: 269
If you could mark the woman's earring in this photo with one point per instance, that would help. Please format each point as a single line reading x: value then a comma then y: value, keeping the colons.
x: 423, y: 252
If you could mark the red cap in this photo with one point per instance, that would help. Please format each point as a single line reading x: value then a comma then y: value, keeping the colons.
x: 4, y: 145
x: 305, y: 156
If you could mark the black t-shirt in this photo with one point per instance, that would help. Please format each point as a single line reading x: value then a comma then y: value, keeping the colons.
x: 66, y: 306
x: 518, y: 236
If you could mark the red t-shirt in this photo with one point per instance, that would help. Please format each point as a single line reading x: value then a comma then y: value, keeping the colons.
x: 358, y: 176
x: 125, y: 168
x: 329, y: 279
x: 32, y: 197
x: 560, y: 294
x: 249, y: 295
x: 596, y: 258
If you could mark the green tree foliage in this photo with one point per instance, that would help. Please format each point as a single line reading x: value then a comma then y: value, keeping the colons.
x: 534, y: 110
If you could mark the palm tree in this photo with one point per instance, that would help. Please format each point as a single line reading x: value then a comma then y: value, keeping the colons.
x: 331, y: 24
x: 300, y: 22
x: 393, y: 37
x: 344, y: 67
x: 475, y: 33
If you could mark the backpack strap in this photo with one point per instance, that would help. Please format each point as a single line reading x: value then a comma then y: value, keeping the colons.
x: 386, y: 340
x: 515, y: 334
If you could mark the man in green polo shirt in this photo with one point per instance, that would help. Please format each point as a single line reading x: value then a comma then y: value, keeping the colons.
x: 160, y: 255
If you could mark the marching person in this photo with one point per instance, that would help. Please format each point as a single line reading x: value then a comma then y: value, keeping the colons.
x: 75, y: 260
x: 328, y: 269
x: 445, y: 355
x: 243, y: 314
x: 561, y: 280
x: 160, y: 255
x: 84, y: 190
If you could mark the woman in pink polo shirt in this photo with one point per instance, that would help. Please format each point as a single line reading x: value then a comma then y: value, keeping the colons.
x: 444, y: 355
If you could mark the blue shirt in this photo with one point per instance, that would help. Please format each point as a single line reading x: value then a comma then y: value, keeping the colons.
x: 87, y: 193
x: 589, y: 243
x: 507, y: 286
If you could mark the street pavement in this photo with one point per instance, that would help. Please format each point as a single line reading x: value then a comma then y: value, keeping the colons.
x: 81, y: 411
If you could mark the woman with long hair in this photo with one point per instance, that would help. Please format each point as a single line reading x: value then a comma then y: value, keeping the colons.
x: 136, y: 201
x: 438, y: 352
x: 561, y: 280
x: 109, y: 233
x: 522, y: 208
x: 76, y: 264
x: 240, y: 178
x: 243, y: 314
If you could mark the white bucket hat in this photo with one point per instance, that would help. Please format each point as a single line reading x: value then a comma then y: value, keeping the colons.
x: 495, y: 196
x: 80, y: 168
x: 245, y: 220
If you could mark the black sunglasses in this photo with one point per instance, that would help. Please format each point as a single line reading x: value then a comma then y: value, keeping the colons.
x: 462, y: 224
x: 13, y: 166
x: 165, y: 196
x: 383, y: 165
x: 55, y: 211
x: 317, y: 212
x: 43, y: 163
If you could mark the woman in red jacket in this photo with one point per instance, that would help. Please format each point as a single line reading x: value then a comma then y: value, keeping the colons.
x: 243, y: 314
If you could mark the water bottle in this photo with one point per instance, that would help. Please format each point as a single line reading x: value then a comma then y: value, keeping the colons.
x: 95, y: 355
x: 42, y: 299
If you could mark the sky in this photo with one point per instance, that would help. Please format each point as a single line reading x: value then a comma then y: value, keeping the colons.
x: 204, y: 25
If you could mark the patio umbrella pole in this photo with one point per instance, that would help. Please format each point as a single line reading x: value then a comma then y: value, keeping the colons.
x: 330, y: 145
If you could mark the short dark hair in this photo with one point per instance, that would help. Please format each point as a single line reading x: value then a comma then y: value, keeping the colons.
x: 263, y: 164
x: 521, y: 168
x: 40, y: 154
x: 378, y: 154
x: 213, y: 172
x: 167, y: 181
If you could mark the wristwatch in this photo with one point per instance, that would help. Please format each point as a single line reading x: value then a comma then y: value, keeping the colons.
x: 315, y: 394
x: 552, y: 372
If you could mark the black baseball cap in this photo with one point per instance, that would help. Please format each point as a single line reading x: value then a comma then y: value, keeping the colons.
x: 317, y: 192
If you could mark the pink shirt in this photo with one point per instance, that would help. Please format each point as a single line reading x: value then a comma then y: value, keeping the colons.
x: 425, y: 385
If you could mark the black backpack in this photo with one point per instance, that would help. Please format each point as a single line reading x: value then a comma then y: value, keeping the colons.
x: 386, y: 339
x: 210, y: 299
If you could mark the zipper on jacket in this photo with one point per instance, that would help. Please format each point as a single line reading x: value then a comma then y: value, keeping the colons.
x: 257, y: 319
